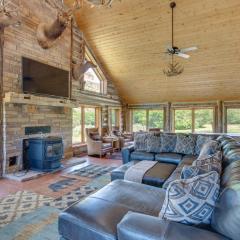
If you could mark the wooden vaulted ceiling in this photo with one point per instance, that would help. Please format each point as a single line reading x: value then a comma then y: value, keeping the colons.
x: 126, y: 38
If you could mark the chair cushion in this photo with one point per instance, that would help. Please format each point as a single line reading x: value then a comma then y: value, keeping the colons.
x: 185, y: 144
x: 201, y: 140
x: 154, y: 144
x: 96, y: 217
x: 138, y: 155
x: 168, y: 142
x: 191, y: 201
x: 169, y: 157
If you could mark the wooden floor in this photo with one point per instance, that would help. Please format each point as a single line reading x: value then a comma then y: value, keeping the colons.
x: 40, y: 185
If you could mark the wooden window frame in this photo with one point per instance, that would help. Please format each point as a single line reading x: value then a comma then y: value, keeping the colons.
x: 97, y: 121
x: 147, y: 116
x: 193, y: 109
x: 225, y: 124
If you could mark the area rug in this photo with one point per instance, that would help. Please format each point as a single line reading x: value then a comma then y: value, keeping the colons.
x: 72, y: 197
x: 90, y: 171
x: 16, y: 205
x: 62, y: 184
x: 73, y: 162
x: 100, y: 182
x: 41, y: 224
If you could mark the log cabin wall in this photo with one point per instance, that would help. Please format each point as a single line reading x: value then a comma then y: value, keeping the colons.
x: 21, y: 42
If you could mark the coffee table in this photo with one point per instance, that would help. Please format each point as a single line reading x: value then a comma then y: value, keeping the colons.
x: 156, y: 176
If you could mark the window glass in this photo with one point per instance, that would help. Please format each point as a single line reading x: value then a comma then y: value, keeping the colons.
x: 92, y: 82
x: 76, y: 125
x: 139, y: 120
x: 233, y: 120
x: 204, y: 119
x: 113, y: 118
x: 89, y: 118
x: 156, y: 119
x: 183, y: 121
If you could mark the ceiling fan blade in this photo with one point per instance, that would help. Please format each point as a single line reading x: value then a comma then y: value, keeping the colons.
x: 182, y: 55
x: 188, y: 49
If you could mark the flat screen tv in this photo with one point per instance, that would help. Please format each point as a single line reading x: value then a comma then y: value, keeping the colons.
x: 42, y: 79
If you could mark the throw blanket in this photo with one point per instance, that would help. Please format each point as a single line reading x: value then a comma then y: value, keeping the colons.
x: 136, y: 172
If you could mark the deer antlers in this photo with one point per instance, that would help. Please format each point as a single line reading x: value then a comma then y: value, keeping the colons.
x: 47, y: 34
x: 6, y: 17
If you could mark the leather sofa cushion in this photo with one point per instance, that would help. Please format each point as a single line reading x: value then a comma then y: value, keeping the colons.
x: 156, y: 176
x: 137, y: 155
x: 96, y: 217
x: 226, y: 216
x: 174, y: 158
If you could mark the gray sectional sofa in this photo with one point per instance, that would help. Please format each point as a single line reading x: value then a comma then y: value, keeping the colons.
x: 129, y: 211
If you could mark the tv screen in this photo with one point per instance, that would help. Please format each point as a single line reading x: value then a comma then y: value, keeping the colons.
x: 42, y: 79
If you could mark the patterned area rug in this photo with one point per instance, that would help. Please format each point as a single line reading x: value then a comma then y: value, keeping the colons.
x: 72, y: 197
x: 41, y: 224
x: 16, y: 205
x: 90, y: 171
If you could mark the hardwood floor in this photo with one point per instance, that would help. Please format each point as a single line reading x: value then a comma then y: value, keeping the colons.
x: 40, y: 185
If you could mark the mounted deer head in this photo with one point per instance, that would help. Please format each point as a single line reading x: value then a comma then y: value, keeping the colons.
x: 8, y: 17
x: 78, y: 70
x: 47, y: 34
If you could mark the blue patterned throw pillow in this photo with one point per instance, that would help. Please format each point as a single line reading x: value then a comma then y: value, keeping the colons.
x: 209, y: 148
x: 168, y: 142
x: 191, y: 201
x: 210, y: 163
x: 201, y: 140
x: 191, y: 171
x: 185, y: 144
x: 154, y: 144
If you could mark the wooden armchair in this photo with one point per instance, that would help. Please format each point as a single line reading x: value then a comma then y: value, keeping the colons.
x: 96, y: 145
x: 125, y: 139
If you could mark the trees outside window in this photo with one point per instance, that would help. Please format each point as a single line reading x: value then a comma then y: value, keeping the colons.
x: 139, y: 118
x: 233, y: 120
x: 76, y: 125
x: 82, y: 118
x: 143, y: 119
x: 183, y: 121
x: 204, y: 120
x: 194, y: 120
x: 156, y: 119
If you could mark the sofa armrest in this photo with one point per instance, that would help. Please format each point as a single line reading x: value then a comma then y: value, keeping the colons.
x: 136, y: 226
x: 126, y: 154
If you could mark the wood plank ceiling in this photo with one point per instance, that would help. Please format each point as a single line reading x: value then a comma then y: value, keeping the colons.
x: 127, y: 37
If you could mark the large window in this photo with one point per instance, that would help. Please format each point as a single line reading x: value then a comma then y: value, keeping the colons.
x: 92, y: 81
x: 194, y: 120
x: 77, y: 125
x: 233, y: 120
x: 143, y: 119
x: 183, y: 121
x: 114, y: 117
x: 156, y: 119
x: 139, y: 118
x: 80, y: 123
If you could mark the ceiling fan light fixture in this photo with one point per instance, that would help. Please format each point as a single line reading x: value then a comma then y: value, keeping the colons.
x: 173, y: 69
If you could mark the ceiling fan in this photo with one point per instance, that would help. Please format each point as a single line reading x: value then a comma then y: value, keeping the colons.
x: 174, y: 50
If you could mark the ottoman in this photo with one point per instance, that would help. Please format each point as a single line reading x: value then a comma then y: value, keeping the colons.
x: 156, y: 176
